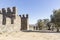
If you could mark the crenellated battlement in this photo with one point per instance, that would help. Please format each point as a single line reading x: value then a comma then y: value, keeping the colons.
x: 8, y: 12
x: 24, y: 16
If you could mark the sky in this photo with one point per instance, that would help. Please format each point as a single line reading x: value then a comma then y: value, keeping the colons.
x: 36, y: 9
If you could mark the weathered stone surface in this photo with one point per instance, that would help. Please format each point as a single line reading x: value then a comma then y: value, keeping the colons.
x: 10, y: 21
x: 10, y: 27
x: 24, y: 22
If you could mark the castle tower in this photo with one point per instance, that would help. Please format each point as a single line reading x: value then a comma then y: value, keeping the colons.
x: 10, y: 21
x: 24, y: 22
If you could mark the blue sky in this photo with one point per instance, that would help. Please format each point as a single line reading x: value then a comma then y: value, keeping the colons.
x: 37, y: 9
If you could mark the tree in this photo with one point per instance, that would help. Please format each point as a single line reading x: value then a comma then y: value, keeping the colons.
x: 40, y: 24
x: 48, y: 24
x: 55, y: 18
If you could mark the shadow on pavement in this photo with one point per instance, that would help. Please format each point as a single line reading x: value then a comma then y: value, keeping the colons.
x: 41, y: 31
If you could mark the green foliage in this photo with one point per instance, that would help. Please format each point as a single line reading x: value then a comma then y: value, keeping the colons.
x: 55, y: 18
x: 40, y: 24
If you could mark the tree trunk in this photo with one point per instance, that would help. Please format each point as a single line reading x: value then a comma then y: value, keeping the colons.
x: 49, y: 28
x: 57, y: 29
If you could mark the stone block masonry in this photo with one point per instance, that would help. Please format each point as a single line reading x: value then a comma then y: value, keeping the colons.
x: 10, y: 21
x: 24, y: 22
x: 8, y: 13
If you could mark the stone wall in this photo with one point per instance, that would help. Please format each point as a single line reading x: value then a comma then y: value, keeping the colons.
x: 10, y: 27
x: 10, y: 21
x: 24, y: 22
